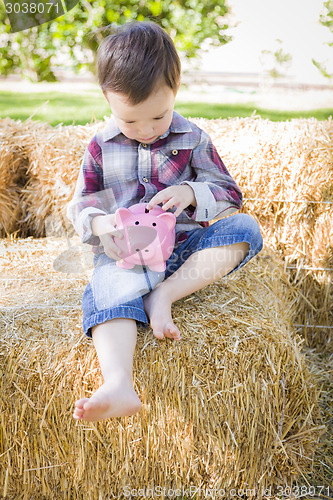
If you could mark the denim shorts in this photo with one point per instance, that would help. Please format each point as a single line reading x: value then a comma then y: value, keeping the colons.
x: 117, y: 293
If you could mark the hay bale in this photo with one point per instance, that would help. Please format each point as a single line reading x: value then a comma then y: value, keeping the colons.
x: 14, y: 137
x: 321, y: 365
x: 285, y: 170
x: 55, y: 157
x: 232, y: 404
x: 54, y: 162
x: 282, y: 161
x: 39, y: 166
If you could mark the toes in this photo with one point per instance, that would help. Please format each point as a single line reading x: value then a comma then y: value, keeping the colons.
x: 90, y: 405
x: 171, y: 331
x: 158, y: 334
x: 80, y: 403
x: 78, y: 414
x: 80, y: 408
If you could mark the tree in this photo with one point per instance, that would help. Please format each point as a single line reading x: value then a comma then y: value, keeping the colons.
x: 326, y: 19
x: 74, y: 38
x: 275, y: 61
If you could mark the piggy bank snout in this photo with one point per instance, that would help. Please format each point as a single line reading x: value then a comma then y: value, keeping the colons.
x: 140, y: 237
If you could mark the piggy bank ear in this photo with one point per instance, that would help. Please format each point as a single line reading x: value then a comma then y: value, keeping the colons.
x: 169, y: 219
x: 121, y: 215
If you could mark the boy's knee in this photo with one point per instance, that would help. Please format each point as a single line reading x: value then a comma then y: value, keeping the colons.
x: 246, y: 226
x: 250, y: 222
x: 252, y: 230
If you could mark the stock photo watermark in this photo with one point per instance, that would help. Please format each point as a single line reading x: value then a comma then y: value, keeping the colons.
x: 25, y: 14
x: 193, y: 491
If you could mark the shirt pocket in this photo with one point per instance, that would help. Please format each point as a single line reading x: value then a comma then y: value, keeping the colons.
x: 174, y: 166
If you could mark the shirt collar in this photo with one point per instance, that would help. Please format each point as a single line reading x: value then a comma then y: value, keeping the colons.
x: 111, y: 130
x: 179, y: 125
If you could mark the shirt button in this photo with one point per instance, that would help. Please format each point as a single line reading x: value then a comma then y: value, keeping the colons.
x: 145, y: 179
x: 174, y: 152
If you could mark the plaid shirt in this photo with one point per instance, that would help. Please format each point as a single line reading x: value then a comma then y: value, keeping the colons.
x: 119, y: 172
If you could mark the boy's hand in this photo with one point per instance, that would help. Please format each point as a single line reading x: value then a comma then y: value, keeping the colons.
x: 104, y: 227
x: 174, y: 196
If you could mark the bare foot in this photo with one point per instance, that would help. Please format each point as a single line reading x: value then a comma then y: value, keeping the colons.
x: 112, y: 399
x: 158, y: 308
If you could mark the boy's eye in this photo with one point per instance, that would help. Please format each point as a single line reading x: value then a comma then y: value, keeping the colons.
x: 159, y: 118
x: 129, y: 122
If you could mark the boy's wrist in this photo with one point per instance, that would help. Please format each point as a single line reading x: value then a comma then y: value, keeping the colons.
x: 96, y: 224
x: 102, y: 224
x: 193, y: 201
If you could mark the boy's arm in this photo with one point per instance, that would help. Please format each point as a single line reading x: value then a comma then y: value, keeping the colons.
x: 216, y: 192
x: 90, y: 199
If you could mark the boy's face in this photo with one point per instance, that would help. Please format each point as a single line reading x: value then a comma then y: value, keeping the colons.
x: 147, y: 121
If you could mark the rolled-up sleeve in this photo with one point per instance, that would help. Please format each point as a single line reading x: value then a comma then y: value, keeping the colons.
x: 216, y: 192
x: 89, y: 195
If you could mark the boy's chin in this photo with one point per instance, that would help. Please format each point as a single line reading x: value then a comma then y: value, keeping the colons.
x: 147, y: 141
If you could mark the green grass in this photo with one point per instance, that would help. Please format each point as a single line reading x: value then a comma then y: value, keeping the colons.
x: 208, y: 110
x: 72, y: 109
x: 54, y: 108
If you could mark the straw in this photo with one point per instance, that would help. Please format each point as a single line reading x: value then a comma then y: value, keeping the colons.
x: 233, y: 404
x: 285, y: 170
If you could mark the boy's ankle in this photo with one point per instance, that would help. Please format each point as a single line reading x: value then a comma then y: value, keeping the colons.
x: 118, y: 377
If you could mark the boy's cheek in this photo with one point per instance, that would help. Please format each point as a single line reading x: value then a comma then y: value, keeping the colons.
x: 124, y: 129
x: 129, y: 134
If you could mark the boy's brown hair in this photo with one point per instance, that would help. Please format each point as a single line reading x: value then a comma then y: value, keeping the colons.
x: 135, y: 58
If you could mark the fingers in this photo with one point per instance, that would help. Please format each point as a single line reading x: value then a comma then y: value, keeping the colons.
x: 173, y: 202
x: 161, y: 197
x: 170, y: 204
x: 110, y: 247
x: 179, y: 210
x: 105, y: 224
x: 112, y: 255
x: 104, y: 227
x: 173, y: 196
x: 115, y: 233
x: 168, y: 201
x: 109, y: 228
x: 152, y: 203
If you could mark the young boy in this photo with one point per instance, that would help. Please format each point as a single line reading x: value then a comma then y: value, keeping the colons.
x: 147, y: 153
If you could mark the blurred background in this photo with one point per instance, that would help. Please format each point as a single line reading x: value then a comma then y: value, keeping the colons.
x: 239, y: 57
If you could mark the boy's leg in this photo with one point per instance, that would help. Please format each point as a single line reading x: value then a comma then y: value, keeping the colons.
x: 115, y: 342
x: 201, y: 269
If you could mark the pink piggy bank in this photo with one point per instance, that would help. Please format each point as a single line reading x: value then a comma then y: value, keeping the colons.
x: 148, y: 236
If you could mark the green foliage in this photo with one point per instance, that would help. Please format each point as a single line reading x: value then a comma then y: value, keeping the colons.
x: 326, y: 19
x: 72, y: 40
x: 322, y: 69
x: 276, y: 60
